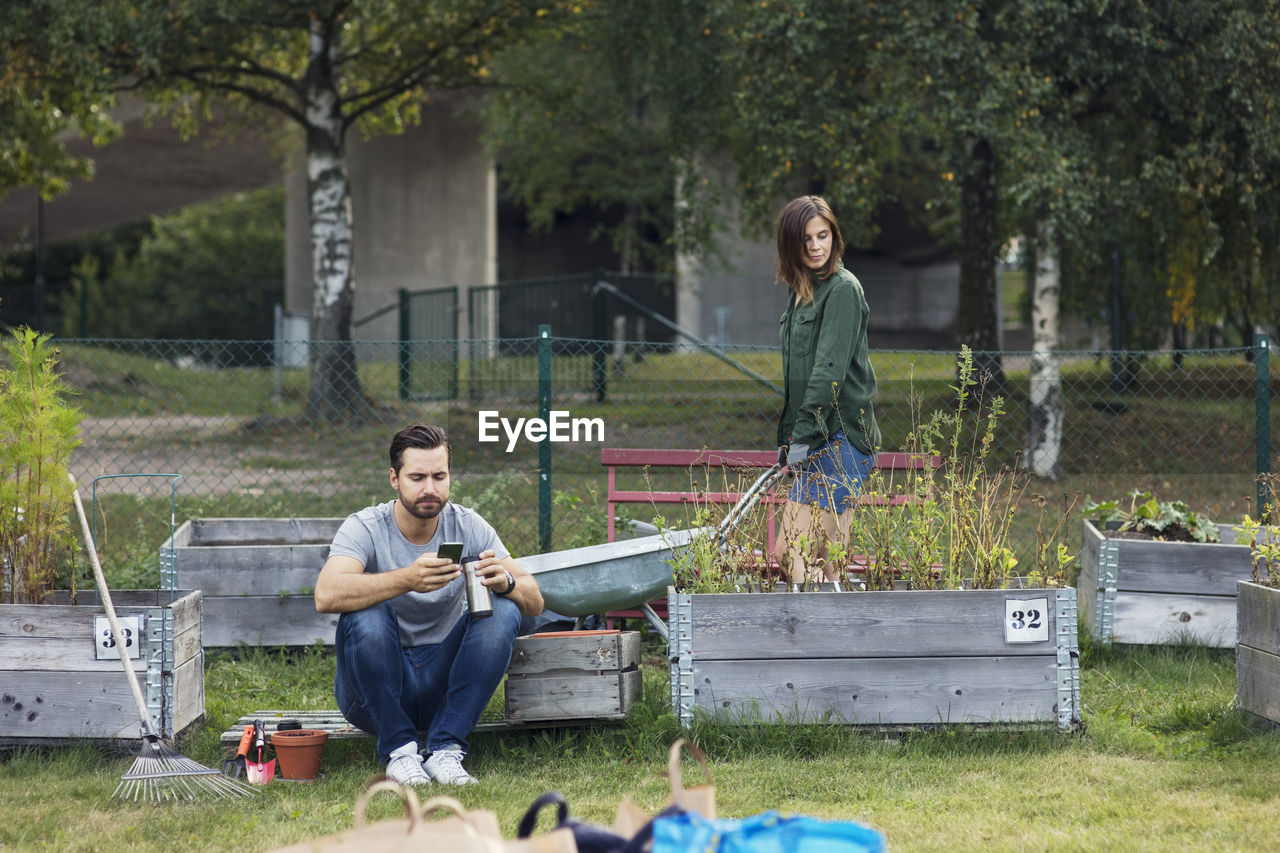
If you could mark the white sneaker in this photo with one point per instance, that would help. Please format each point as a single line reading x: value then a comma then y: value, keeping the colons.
x: 407, y: 770
x: 445, y: 766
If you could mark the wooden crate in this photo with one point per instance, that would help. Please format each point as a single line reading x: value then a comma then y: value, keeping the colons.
x: 1258, y: 650
x: 57, y: 687
x: 898, y: 659
x: 573, y: 675
x: 1149, y: 592
x: 258, y: 576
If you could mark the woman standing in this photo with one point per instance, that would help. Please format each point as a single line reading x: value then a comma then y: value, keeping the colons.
x: 827, y: 431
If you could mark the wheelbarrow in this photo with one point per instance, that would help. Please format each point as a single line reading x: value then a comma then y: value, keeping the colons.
x: 629, y: 573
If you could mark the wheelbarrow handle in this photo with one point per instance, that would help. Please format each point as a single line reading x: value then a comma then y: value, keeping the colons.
x: 746, y: 503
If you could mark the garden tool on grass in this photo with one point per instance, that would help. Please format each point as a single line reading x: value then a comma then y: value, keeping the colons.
x: 236, y: 767
x: 258, y: 772
x: 158, y: 773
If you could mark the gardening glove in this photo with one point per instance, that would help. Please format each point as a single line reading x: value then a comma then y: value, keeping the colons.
x: 782, y: 456
x: 797, y: 454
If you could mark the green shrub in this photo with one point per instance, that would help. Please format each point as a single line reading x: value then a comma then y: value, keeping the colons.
x: 40, y: 429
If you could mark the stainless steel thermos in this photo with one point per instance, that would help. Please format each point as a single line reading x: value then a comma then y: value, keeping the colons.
x: 479, y: 599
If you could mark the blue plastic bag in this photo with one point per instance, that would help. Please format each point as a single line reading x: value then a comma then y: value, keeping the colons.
x: 768, y: 832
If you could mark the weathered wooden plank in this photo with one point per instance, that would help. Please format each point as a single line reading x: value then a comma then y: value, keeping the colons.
x: 1258, y: 682
x: 59, y: 654
x: 259, y: 620
x: 188, y: 644
x: 902, y: 623
x: 329, y: 721
x: 260, y: 570
x: 67, y: 704
x: 187, y: 607
x: 61, y: 636
x: 585, y: 651
x: 1181, y: 567
x: 245, y: 556
x: 253, y: 531
x: 1088, y: 580
x: 123, y: 598
x: 881, y: 691
x: 1157, y: 619
x: 570, y: 694
x: 242, y: 556
x: 337, y: 727
x: 73, y: 621
x: 1187, y: 568
x: 188, y: 693
x: 1258, y: 617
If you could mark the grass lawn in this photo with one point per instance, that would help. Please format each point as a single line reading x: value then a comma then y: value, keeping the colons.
x: 1163, y: 763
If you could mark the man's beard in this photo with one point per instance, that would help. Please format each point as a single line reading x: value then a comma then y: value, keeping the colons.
x: 424, y: 512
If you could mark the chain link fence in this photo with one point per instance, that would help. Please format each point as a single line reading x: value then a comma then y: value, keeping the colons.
x: 232, y: 418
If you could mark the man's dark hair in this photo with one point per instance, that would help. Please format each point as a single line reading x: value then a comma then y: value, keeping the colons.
x: 420, y: 436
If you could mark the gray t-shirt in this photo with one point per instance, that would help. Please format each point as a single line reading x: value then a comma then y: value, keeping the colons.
x: 373, y: 537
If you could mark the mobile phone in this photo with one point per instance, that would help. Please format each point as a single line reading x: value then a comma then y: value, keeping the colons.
x: 451, y: 551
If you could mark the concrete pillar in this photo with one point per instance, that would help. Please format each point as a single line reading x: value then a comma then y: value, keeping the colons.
x: 424, y: 209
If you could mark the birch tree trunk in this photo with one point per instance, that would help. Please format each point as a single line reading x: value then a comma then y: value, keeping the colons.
x: 1044, y: 436
x: 335, y: 383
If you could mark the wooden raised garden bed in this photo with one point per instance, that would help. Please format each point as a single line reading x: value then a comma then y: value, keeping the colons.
x: 258, y: 577
x: 1152, y: 592
x: 62, y: 679
x: 898, y: 659
x: 1258, y: 650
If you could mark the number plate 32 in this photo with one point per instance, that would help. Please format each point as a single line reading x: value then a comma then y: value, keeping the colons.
x: 1026, y: 621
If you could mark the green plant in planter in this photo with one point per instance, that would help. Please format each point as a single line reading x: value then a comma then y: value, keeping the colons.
x: 1172, y: 520
x: 701, y: 566
x: 1263, y: 536
x: 977, y: 501
x: 1054, y: 562
x: 40, y: 429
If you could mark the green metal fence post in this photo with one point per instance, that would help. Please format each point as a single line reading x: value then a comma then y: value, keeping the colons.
x: 1262, y: 410
x: 599, y: 331
x: 544, y: 446
x: 84, y: 306
x: 403, y: 350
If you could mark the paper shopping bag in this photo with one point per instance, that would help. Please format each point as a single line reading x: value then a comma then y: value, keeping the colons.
x: 461, y: 831
x: 700, y: 799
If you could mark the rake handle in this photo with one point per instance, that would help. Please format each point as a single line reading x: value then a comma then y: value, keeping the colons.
x: 105, y: 593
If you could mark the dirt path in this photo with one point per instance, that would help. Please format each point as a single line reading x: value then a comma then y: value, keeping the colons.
x: 209, y: 453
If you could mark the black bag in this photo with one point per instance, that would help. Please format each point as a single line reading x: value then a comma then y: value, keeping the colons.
x: 589, y: 837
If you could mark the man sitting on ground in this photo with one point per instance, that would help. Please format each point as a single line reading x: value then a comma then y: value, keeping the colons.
x: 409, y: 656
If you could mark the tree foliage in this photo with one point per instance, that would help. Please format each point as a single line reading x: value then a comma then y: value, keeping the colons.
x: 326, y: 66
x: 49, y: 89
x: 211, y: 271
x: 597, y: 114
x: 1129, y: 129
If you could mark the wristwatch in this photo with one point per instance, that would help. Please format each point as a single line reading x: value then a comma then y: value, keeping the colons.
x: 511, y: 585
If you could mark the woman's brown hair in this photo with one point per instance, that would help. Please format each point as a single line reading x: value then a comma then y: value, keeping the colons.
x: 789, y: 230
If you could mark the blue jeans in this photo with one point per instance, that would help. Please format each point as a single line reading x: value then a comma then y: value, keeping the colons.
x: 832, y: 475
x: 392, y: 692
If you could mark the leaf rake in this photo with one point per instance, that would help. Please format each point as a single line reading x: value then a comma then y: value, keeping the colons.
x: 159, y: 773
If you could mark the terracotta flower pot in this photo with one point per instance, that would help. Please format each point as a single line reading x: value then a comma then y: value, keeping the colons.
x: 298, y: 752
